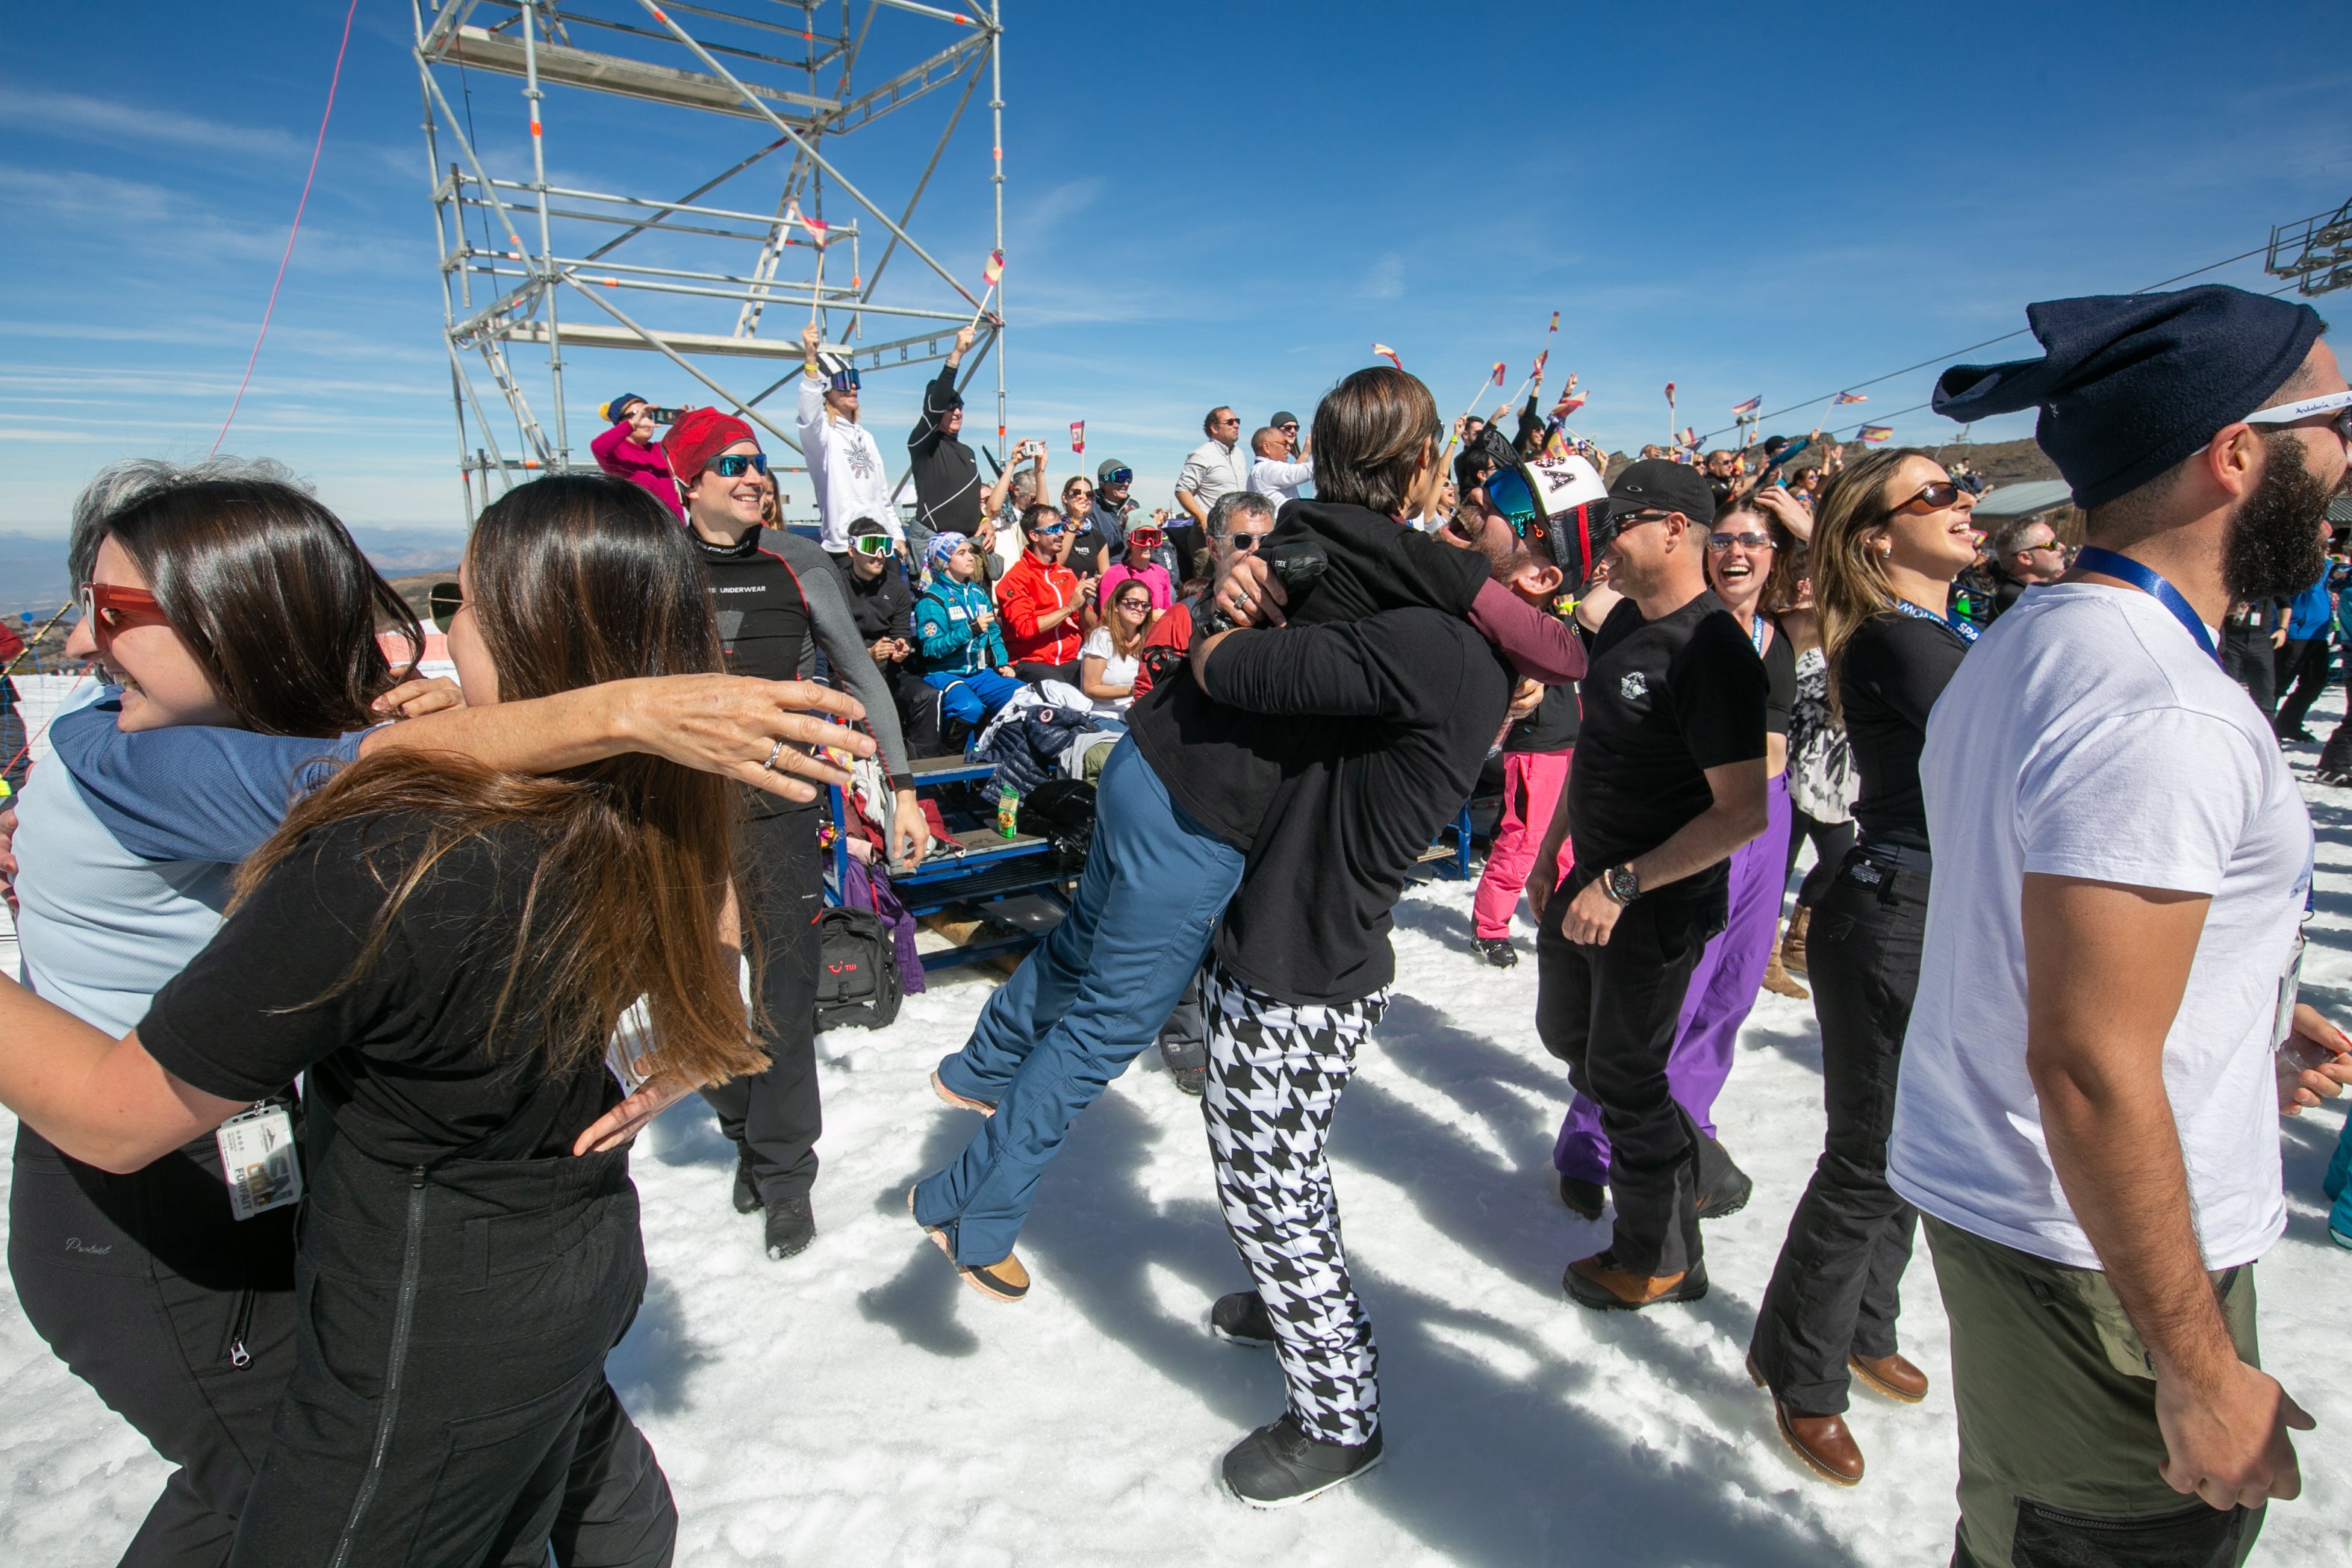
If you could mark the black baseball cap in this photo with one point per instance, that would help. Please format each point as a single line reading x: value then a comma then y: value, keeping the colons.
x: 1656, y: 484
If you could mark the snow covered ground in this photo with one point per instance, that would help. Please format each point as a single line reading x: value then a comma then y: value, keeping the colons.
x: 857, y: 1405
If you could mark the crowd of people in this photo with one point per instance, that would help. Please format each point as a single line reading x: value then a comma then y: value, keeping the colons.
x: 345, y: 991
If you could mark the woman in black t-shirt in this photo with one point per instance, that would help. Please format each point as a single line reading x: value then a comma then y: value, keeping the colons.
x: 1891, y: 533
x: 444, y: 952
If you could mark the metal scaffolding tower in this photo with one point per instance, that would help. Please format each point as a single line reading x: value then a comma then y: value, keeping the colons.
x: 2315, y: 255
x: 534, y: 273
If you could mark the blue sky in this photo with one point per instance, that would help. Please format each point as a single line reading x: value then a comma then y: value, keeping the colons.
x: 1205, y: 203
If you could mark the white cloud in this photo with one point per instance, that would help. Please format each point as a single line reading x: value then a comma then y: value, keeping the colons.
x: 1385, y: 280
x: 82, y: 118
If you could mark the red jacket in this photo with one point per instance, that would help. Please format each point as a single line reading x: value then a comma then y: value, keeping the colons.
x: 1032, y: 589
x: 619, y: 455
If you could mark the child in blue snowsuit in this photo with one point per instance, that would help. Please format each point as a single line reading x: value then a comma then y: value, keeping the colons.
x: 963, y: 648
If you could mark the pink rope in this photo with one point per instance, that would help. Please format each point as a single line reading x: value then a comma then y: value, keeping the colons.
x: 271, y: 309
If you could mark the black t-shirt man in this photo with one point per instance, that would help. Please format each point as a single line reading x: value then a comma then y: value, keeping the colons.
x: 1664, y: 700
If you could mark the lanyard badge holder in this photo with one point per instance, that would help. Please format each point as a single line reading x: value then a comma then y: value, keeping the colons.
x: 258, y: 1157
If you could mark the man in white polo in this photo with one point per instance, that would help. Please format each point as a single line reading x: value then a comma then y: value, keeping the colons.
x: 2088, y: 1109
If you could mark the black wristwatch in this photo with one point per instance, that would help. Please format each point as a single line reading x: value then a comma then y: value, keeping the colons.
x: 1620, y: 884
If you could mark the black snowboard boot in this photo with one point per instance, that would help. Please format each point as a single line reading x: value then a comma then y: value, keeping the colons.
x: 792, y: 1225
x: 747, y: 1188
x: 1241, y: 1318
x: 1280, y: 1464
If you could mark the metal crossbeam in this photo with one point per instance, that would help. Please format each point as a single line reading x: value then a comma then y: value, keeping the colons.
x: 674, y: 257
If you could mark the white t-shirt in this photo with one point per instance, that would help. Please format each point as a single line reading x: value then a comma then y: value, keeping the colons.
x: 2086, y: 735
x: 1116, y: 670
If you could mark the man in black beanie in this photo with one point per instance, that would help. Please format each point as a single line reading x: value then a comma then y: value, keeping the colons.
x: 2088, y: 1109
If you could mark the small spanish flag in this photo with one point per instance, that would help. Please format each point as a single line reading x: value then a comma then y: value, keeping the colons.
x: 1843, y: 398
x: 1499, y: 373
x: 1555, y: 322
x: 1078, y: 436
x: 1539, y: 363
x: 1876, y: 432
x: 995, y: 270
x: 1389, y: 354
x: 1670, y: 394
x: 1750, y: 406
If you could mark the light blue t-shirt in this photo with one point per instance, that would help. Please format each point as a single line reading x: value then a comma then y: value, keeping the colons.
x: 126, y: 844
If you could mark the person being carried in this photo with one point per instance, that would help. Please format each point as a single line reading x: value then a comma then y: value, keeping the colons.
x: 1178, y: 809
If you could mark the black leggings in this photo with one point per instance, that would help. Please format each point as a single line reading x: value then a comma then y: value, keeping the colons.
x: 1830, y: 841
x: 177, y: 1315
x: 776, y: 1113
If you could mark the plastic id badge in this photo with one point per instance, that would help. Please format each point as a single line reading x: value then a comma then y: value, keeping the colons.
x: 2290, y: 983
x: 258, y: 1156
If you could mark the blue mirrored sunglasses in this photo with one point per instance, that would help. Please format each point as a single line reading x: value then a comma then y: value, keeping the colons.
x: 732, y: 465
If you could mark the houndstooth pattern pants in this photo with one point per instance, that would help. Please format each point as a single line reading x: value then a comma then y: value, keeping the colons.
x: 1275, y: 1073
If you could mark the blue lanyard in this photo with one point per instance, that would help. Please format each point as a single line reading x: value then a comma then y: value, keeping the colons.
x: 2107, y: 564
x: 1965, y: 630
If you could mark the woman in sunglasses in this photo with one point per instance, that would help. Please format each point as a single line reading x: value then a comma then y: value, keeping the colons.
x: 1889, y: 535
x: 1107, y: 661
x: 443, y: 949
x: 235, y: 621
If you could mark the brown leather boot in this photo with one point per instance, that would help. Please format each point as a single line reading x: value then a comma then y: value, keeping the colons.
x: 1776, y: 980
x: 1792, y: 942
x: 1598, y: 1282
x: 1892, y: 1375
x: 1823, y: 1442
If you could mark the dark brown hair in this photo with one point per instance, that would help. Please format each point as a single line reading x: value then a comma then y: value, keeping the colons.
x: 1788, y: 553
x: 579, y: 580
x: 270, y: 597
x: 1370, y: 433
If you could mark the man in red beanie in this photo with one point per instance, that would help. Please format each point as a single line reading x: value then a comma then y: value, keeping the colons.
x: 779, y: 600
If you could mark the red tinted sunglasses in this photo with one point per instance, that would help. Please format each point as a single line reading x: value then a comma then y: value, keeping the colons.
x: 110, y: 610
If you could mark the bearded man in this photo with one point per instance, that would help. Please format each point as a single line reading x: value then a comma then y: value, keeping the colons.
x: 2088, y: 1110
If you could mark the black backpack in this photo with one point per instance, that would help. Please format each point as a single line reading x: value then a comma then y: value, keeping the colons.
x: 858, y: 970
x: 1061, y: 812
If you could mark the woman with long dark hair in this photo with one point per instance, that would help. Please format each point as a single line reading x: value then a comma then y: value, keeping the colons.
x: 1890, y: 534
x: 443, y: 949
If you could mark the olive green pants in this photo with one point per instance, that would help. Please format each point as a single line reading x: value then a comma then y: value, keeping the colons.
x: 2059, y: 1445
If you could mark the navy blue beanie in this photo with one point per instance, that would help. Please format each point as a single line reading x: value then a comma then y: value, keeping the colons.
x: 612, y: 407
x: 2133, y: 383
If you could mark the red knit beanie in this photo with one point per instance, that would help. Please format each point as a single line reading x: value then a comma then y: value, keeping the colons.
x: 698, y: 436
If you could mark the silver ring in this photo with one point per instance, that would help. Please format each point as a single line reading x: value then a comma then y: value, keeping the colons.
x: 773, y: 752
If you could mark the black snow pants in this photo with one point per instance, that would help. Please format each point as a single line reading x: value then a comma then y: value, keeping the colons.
x: 176, y: 1314
x: 448, y: 1405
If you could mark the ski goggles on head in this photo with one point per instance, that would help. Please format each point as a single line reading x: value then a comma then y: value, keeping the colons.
x: 1507, y: 493
x: 871, y: 543
x: 732, y: 465
x: 110, y: 610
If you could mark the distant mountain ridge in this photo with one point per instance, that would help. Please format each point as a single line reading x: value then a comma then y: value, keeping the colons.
x: 33, y: 573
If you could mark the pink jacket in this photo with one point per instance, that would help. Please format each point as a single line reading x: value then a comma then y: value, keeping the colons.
x: 1153, y: 577
x: 624, y: 459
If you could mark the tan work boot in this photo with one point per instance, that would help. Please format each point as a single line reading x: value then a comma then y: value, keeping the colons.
x: 1777, y: 981
x: 1792, y: 944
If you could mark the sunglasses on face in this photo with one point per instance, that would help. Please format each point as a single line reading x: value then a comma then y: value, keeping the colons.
x: 735, y: 464
x: 1143, y: 602
x: 1246, y: 541
x: 871, y: 543
x: 1719, y: 542
x: 1049, y: 530
x: 1938, y: 496
x: 110, y: 610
